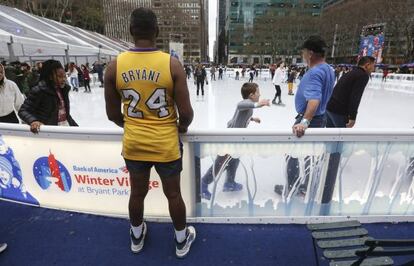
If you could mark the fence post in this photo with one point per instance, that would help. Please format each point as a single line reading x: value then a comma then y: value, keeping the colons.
x: 12, y: 56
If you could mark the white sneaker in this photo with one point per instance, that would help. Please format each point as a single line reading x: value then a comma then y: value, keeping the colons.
x: 182, y: 249
x: 3, y: 246
x: 138, y: 243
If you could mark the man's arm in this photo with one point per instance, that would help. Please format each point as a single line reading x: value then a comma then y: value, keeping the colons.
x: 311, y: 108
x: 313, y: 94
x: 299, y: 129
x: 181, y: 96
x: 112, y: 97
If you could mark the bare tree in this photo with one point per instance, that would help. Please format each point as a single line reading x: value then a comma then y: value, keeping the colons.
x: 352, y: 16
x: 13, y: 3
x: 87, y: 14
x: 398, y: 15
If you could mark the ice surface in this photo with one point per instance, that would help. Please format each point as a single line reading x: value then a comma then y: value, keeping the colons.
x: 383, y: 105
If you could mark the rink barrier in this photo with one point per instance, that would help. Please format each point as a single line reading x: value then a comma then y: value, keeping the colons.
x: 403, y: 81
x: 334, y: 174
x: 394, y: 76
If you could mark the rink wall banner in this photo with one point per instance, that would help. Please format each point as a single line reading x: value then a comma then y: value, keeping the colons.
x: 76, y: 171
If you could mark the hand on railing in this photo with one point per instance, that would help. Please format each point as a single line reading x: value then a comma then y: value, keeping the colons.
x: 350, y: 124
x: 299, y: 129
x: 35, y: 127
x: 182, y: 129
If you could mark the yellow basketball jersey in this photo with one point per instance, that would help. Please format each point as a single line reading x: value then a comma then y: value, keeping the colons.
x: 143, y: 78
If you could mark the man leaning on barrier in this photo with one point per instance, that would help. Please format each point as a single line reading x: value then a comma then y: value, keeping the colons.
x: 315, y: 88
x: 343, y: 106
x: 311, y: 99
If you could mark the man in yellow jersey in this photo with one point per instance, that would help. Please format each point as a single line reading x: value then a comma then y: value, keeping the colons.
x: 150, y: 84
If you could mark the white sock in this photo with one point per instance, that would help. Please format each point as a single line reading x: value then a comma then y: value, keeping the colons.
x: 137, y: 230
x: 180, y: 235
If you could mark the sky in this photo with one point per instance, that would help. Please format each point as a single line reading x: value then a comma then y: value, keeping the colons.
x: 212, y: 16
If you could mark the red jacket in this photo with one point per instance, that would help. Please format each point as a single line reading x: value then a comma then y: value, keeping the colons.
x: 85, y: 74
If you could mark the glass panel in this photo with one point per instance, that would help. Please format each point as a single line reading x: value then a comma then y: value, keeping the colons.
x: 305, y: 179
x: 375, y: 178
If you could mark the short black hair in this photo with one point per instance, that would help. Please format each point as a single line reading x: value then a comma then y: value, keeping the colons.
x: 25, y: 65
x: 366, y: 59
x: 315, y: 44
x: 143, y: 24
x: 48, y: 69
x: 248, y: 88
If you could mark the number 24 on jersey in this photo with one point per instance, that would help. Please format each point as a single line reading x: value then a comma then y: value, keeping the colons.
x: 157, y: 101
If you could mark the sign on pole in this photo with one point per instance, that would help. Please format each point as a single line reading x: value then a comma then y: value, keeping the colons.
x: 177, y: 50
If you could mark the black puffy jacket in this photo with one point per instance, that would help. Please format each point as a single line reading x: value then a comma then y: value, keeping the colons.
x: 42, y: 104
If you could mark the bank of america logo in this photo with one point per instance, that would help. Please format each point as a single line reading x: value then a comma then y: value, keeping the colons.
x: 124, y: 169
x: 49, y: 172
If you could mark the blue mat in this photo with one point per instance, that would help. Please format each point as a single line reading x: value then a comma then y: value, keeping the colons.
x: 38, y: 236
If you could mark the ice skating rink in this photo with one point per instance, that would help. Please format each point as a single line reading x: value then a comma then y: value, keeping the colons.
x: 384, y: 105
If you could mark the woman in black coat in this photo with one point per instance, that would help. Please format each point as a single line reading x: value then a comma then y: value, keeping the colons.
x: 48, y: 102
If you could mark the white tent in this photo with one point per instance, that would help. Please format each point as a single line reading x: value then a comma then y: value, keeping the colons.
x: 27, y: 37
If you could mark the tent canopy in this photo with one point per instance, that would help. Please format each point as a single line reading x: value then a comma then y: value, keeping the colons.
x: 23, y: 35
